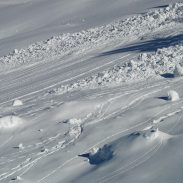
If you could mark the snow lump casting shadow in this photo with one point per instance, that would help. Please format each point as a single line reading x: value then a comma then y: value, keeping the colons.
x: 100, y: 155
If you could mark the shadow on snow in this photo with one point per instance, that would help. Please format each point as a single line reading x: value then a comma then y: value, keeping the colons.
x: 148, y: 46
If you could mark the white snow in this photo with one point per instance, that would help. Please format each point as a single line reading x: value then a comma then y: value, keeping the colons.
x: 8, y: 122
x: 17, y: 102
x: 178, y: 71
x: 173, y: 95
x: 91, y: 91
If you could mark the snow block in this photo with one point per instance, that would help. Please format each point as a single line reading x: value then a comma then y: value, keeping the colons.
x: 173, y: 96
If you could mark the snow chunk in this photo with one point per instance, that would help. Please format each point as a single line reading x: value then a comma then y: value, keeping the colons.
x: 20, y: 146
x: 99, y: 155
x: 16, y: 178
x: 17, y: 102
x: 8, y: 122
x: 173, y: 96
x: 151, y: 133
x: 178, y: 71
x: 15, y: 51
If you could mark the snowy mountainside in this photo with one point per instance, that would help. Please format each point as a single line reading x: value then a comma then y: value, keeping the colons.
x: 95, y: 99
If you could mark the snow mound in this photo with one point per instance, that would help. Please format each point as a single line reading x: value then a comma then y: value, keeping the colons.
x: 65, y: 44
x: 151, y: 133
x: 8, y: 122
x: 17, y: 103
x: 148, y: 133
x: 20, y: 146
x: 17, y: 178
x: 178, y: 71
x: 99, y: 155
x: 173, y: 96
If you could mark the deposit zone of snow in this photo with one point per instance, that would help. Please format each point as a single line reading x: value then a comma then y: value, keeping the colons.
x: 103, y: 105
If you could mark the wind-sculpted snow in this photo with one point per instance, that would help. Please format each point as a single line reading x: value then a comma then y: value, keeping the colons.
x: 64, y: 44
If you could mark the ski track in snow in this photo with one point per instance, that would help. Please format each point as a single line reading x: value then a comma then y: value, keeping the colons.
x: 133, y: 102
x: 107, y: 139
x: 132, y: 164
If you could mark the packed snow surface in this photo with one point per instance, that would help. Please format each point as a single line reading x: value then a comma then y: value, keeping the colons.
x: 91, y: 91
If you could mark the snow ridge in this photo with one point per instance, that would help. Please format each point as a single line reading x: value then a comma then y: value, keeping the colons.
x: 64, y: 44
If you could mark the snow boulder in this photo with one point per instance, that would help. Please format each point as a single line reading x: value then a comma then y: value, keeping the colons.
x: 178, y: 71
x: 151, y: 133
x: 8, y: 122
x: 17, y: 102
x: 99, y: 155
x: 173, y: 96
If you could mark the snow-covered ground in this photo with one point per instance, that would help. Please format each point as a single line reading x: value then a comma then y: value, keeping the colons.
x: 91, y: 91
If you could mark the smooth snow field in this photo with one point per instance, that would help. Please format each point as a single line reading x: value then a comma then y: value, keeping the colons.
x: 91, y: 91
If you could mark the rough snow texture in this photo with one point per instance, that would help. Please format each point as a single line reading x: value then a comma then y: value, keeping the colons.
x: 67, y: 43
x: 148, y: 65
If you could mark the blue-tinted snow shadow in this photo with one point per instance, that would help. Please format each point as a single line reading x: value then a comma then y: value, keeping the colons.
x: 163, y: 98
x: 167, y: 75
x: 147, y: 46
x: 162, y: 6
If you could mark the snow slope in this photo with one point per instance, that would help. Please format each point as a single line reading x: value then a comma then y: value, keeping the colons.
x: 26, y: 21
x: 91, y: 91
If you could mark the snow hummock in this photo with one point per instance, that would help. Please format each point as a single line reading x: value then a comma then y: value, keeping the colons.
x: 151, y: 133
x: 173, y: 95
x: 8, y: 122
x: 20, y: 146
x: 99, y: 155
x: 17, y: 102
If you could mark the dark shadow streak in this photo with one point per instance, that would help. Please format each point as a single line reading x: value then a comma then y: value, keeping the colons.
x: 163, y: 98
x: 168, y: 75
x: 162, y: 6
x: 148, y: 46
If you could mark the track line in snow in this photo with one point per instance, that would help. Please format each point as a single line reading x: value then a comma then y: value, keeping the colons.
x: 143, y: 158
x: 58, y: 83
